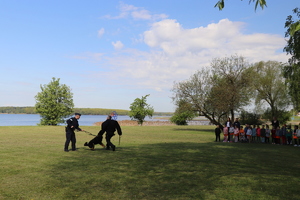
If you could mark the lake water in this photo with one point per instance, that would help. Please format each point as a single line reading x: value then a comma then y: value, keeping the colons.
x: 34, y: 119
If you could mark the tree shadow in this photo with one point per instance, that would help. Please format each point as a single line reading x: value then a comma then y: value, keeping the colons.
x: 179, y: 171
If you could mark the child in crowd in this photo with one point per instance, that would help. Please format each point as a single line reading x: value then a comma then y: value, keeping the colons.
x: 295, y: 138
x: 218, y: 133
x: 242, y: 135
x: 225, y: 133
x: 298, y: 135
x: 263, y: 134
x: 249, y: 133
x: 268, y: 131
x: 288, y: 135
x: 258, y: 133
x: 283, y: 134
x: 273, y: 131
x: 278, y: 134
x: 231, y: 133
x: 253, y: 136
x: 236, y: 133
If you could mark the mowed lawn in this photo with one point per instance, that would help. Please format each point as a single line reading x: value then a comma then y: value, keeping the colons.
x: 158, y: 162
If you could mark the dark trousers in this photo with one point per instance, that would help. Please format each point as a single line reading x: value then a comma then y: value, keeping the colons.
x: 70, y: 137
x: 218, y: 137
x: 108, y: 142
x: 267, y: 140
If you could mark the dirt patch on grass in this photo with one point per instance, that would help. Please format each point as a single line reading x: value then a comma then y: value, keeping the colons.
x: 134, y: 123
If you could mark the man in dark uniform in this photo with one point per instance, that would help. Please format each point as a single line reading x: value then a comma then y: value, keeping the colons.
x: 110, y: 126
x: 72, y: 124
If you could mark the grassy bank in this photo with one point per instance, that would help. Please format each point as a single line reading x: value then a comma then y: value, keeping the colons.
x: 159, y: 162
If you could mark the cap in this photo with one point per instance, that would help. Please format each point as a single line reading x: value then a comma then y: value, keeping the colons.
x: 78, y: 114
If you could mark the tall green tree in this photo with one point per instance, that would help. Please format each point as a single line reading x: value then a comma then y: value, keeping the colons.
x: 139, y: 109
x: 292, y: 71
x: 270, y: 87
x: 54, y: 102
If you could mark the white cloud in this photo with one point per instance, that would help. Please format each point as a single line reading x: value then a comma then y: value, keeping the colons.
x: 100, y: 32
x: 176, y: 53
x: 137, y: 13
x: 118, y: 45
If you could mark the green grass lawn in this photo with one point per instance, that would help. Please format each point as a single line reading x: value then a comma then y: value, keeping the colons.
x: 158, y: 162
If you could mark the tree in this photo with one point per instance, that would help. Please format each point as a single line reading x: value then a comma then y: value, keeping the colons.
x: 262, y: 3
x: 231, y: 83
x: 195, y: 92
x: 270, y: 86
x: 139, y: 109
x: 54, y: 102
x: 215, y: 92
x: 183, y: 113
x: 292, y: 71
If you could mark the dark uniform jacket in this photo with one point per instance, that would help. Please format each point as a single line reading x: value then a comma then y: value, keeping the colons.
x: 110, y: 126
x: 72, y: 122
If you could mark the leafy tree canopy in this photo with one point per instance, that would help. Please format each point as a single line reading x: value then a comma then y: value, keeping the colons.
x: 54, y: 103
x: 139, y: 109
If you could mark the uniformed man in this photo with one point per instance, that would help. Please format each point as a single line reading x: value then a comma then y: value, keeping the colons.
x: 110, y: 126
x: 72, y: 124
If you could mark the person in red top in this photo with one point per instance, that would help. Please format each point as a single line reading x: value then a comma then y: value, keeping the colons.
x: 273, y: 131
x: 258, y: 133
x: 295, y: 136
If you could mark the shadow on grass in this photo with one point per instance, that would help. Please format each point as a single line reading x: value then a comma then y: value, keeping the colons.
x: 179, y: 171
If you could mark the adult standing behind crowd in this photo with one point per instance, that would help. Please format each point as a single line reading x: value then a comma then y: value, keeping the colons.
x: 275, y: 122
x: 72, y: 124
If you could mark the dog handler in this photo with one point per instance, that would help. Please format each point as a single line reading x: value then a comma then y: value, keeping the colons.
x: 72, y: 124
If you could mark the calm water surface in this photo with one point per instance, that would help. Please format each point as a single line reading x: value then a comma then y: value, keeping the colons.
x: 34, y: 119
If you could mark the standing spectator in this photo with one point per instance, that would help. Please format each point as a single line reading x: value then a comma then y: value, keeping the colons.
x: 236, y: 133
x: 283, y: 134
x: 275, y: 122
x: 238, y: 124
x: 295, y: 136
x: 225, y: 133
x: 228, y: 124
x: 263, y: 134
x: 278, y: 135
x: 273, y: 131
x: 218, y: 133
x: 258, y: 133
x: 249, y: 133
x: 298, y: 135
x: 253, y: 136
x: 245, y: 130
x: 231, y: 133
x: 268, y: 133
x: 288, y: 135
x: 242, y: 135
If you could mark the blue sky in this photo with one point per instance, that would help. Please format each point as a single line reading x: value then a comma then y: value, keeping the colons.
x: 111, y: 52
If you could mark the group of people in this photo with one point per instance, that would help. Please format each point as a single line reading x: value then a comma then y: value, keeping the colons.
x: 234, y: 132
x: 109, y: 126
